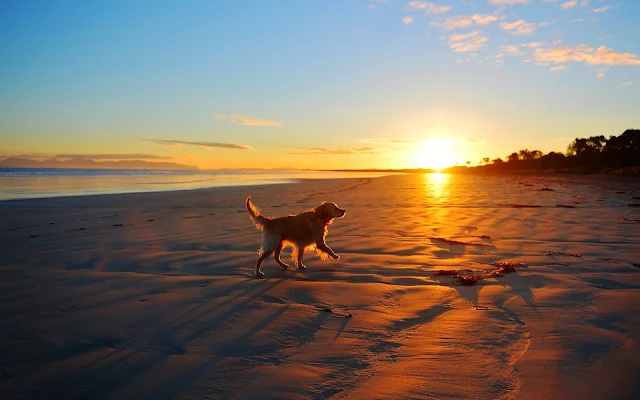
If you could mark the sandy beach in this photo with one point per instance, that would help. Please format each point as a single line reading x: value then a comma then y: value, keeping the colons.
x: 153, y: 296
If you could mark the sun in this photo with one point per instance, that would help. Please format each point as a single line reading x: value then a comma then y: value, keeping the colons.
x: 435, y: 154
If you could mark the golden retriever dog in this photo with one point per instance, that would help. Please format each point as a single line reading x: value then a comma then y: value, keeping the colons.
x: 304, y: 231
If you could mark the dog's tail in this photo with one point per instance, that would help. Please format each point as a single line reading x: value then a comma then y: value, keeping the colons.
x: 258, y: 220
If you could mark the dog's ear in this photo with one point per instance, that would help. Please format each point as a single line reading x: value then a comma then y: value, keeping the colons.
x: 323, y: 211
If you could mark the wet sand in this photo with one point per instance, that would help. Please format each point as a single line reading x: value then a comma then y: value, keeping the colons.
x: 153, y: 295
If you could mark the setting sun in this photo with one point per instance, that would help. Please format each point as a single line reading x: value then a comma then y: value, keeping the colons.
x: 435, y: 154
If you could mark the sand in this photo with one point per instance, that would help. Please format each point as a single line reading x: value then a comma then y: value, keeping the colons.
x: 153, y: 295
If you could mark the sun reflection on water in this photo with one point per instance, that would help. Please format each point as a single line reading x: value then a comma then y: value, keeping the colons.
x: 437, y: 185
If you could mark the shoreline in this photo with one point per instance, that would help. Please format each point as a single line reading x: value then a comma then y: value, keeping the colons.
x: 217, y: 182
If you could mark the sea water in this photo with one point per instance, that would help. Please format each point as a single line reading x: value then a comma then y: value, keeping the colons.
x: 25, y: 183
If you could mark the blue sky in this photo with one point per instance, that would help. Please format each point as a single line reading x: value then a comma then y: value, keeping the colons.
x: 308, y: 84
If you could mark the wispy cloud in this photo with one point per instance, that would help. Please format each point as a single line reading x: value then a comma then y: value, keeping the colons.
x: 627, y: 83
x: 520, y: 27
x: 459, y: 21
x: 202, y: 145
x: 467, y: 42
x: 534, y: 45
x: 247, y: 121
x: 464, y: 21
x: 412, y: 141
x: 557, y: 68
x: 407, y: 20
x: 569, y: 4
x: 513, y: 50
x: 507, y: 2
x: 330, y: 151
x: 600, y: 75
x: 113, y: 156
x: 602, y: 9
x: 585, y: 54
x: 430, y: 8
x: 484, y: 19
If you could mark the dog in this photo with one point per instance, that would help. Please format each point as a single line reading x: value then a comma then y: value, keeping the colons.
x: 304, y: 231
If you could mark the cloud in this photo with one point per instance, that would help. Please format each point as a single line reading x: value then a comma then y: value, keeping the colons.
x: 627, y: 83
x: 483, y: 19
x: 520, y: 27
x: 602, y: 9
x: 328, y: 151
x: 467, y: 42
x: 430, y: 8
x: 600, y: 75
x: 557, y: 68
x: 394, y: 141
x: 407, y: 20
x: 412, y: 141
x: 202, y: 145
x: 513, y: 50
x: 507, y: 2
x: 534, y: 45
x: 585, y: 54
x: 464, y: 21
x: 456, y: 22
x: 113, y: 156
x: 569, y: 4
x: 247, y: 121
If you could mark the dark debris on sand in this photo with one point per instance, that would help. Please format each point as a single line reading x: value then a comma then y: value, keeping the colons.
x: 504, y: 267
x: 450, y: 241
x: 332, y: 311
x: 560, y: 253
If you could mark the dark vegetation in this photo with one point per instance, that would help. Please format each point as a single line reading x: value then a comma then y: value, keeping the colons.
x: 585, y: 155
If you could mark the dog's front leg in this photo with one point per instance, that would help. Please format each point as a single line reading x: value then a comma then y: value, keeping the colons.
x: 323, y: 247
x: 300, y: 255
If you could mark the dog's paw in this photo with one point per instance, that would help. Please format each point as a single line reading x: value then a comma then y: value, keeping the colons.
x: 335, y: 257
x: 259, y: 274
x: 284, y: 267
x: 302, y: 266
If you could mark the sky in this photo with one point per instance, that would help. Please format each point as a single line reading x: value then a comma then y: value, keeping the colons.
x: 314, y: 84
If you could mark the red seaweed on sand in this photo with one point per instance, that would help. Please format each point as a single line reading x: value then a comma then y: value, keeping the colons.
x: 504, y: 267
x: 468, y: 280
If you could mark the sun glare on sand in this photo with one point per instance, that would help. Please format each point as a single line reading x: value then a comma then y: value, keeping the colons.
x: 435, y: 154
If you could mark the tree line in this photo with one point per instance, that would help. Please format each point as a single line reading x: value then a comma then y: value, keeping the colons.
x: 590, y: 154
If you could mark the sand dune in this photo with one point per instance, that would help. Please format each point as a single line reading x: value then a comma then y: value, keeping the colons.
x: 153, y: 295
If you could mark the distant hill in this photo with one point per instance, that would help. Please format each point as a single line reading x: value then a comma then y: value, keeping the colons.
x: 92, y: 164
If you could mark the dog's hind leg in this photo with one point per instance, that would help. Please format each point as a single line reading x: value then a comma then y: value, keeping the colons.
x: 276, y: 256
x: 269, y: 245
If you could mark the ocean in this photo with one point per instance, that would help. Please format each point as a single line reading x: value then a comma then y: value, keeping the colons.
x: 26, y: 183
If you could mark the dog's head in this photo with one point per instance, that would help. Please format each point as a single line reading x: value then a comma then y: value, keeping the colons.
x: 329, y: 211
